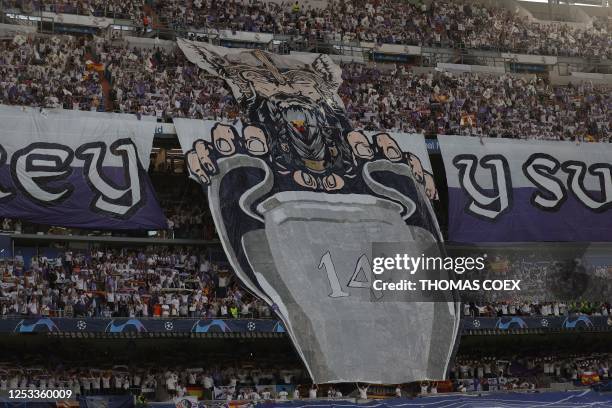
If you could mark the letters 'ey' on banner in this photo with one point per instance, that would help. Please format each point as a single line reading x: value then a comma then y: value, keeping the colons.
x: 84, y: 171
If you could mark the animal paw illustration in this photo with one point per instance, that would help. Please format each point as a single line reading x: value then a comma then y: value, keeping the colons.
x: 384, y: 147
x: 225, y: 141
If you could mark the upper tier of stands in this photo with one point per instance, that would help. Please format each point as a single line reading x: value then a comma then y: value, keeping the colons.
x: 100, y: 75
x: 506, y: 26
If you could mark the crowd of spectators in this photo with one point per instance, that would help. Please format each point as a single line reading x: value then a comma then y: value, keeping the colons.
x: 186, y: 209
x: 163, y: 83
x: 130, y: 9
x: 553, y: 282
x: 534, y: 308
x: 237, y: 382
x: 266, y: 382
x: 158, y: 282
x: 164, y: 282
x: 440, y: 23
x: 475, y: 104
x: 484, y: 373
x: 48, y: 72
x: 189, y: 219
x: 603, y: 23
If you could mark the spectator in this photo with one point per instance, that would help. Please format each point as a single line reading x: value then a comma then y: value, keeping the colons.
x: 152, y: 283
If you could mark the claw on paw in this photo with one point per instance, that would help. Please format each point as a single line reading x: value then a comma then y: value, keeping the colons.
x: 224, y: 138
x: 305, y: 179
x: 388, y: 147
x: 255, y: 140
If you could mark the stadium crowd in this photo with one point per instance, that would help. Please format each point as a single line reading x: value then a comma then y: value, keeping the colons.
x: 439, y: 23
x: 249, y: 382
x: 184, y: 206
x: 239, y: 382
x: 48, y: 72
x: 554, y: 282
x: 475, y: 104
x: 131, y: 9
x: 157, y: 282
x: 69, y: 72
x: 535, y: 308
x: 162, y: 83
x: 528, y: 371
x: 162, y: 282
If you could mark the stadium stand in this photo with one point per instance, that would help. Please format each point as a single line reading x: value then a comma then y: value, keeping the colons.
x: 272, y: 380
x: 181, y: 282
x: 436, y: 93
x: 130, y: 10
x: 439, y: 23
x: 163, y: 84
x: 164, y: 283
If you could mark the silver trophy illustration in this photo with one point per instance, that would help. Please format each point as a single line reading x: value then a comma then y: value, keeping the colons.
x: 299, y: 200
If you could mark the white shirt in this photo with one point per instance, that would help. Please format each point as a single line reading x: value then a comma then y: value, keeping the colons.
x: 208, y: 381
x: 170, y: 383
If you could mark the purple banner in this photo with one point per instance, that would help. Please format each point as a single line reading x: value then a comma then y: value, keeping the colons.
x: 85, y: 173
x: 503, y: 190
x: 526, y: 223
x: 79, y: 208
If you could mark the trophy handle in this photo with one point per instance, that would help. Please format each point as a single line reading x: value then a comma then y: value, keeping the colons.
x: 388, y: 192
x: 250, y: 196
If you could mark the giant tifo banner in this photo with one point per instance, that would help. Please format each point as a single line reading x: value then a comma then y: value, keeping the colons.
x: 82, y: 171
x: 527, y: 190
x: 298, y: 199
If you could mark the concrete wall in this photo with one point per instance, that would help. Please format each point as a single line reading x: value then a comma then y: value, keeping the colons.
x: 576, y: 77
x: 10, y: 30
x: 596, y: 11
x: 542, y: 13
x: 141, y: 42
